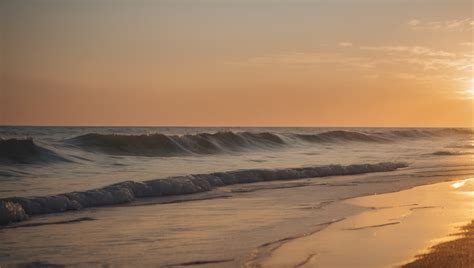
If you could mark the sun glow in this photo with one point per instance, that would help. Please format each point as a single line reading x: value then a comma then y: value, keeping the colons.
x: 458, y: 184
x: 470, y: 91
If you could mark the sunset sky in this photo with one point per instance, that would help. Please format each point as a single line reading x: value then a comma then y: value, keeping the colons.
x: 247, y: 63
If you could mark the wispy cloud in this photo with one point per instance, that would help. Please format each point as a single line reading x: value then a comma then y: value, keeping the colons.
x: 415, y: 50
x: 467, y: 44
x: 425, y: 58
x: 417, y: 63
x: 345, y: 44
x: 446, y: 25
x: 300, y: 59
x: 414, y: 22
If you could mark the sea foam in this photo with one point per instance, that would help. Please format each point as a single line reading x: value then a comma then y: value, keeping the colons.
x: 20, y: 208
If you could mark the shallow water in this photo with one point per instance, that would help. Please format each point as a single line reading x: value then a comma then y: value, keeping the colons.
x: 406, y: 223
x: 230, y: 223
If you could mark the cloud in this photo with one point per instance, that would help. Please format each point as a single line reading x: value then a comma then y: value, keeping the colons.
x: 446, y: 25
x: 414, y: 22
x: 416, y: 63
x: 436, y: 64
x: 345, y: 44
x: 300, y: 59
x: 415, y: 50
x: 371, y: 76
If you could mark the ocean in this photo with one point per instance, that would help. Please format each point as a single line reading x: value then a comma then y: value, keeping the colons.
x: 92, y: 196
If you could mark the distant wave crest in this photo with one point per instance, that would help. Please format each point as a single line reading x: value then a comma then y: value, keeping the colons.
x: 449, y: 153
x: 20, y: 208
x: 427, y: 133
x: 25, y: 151
x: 225, y: 142
x: 173, y: 145
x: 341, y: 136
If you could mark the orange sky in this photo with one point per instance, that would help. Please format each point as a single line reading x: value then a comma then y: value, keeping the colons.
x: 246, y: 63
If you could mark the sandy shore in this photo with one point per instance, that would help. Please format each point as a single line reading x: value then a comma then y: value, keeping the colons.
x: 393, y: 231
x: 456, y: 253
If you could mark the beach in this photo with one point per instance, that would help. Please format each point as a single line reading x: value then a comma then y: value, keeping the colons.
x: 237, y: 133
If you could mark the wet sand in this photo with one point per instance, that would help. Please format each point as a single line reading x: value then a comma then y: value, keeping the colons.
x: 456, y: 253
x: 393, y: 231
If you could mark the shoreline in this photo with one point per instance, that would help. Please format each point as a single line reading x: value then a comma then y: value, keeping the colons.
x: 392, y: 231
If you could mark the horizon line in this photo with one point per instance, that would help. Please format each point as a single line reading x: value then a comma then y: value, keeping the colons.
x: 228, y: 126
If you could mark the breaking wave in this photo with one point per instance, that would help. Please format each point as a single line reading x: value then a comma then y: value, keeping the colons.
x: 341, y: 136
x: 20, y: 208
x: 428, y: 133
x: 25, y: 151
x: 449, y: 153
x: 174, y: 145
x: 226, y: 142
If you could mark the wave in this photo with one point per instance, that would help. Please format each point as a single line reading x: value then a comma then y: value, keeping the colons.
x: 26, y: 151
x: 341, y: 135
x: 429, y: 133
x: 465, y: 146
x: 174, y: 145
x: 227, y: 142
x: 449, y: 153
x: 21, y: 208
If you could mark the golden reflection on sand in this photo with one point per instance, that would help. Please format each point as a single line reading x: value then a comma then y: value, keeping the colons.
x: 395, y: 228
x: 458, y: 184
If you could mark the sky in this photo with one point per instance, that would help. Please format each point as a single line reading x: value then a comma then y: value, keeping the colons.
x: 370, y: 63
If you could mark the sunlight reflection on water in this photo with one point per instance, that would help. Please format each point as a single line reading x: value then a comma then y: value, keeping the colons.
x: 458, y: 184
